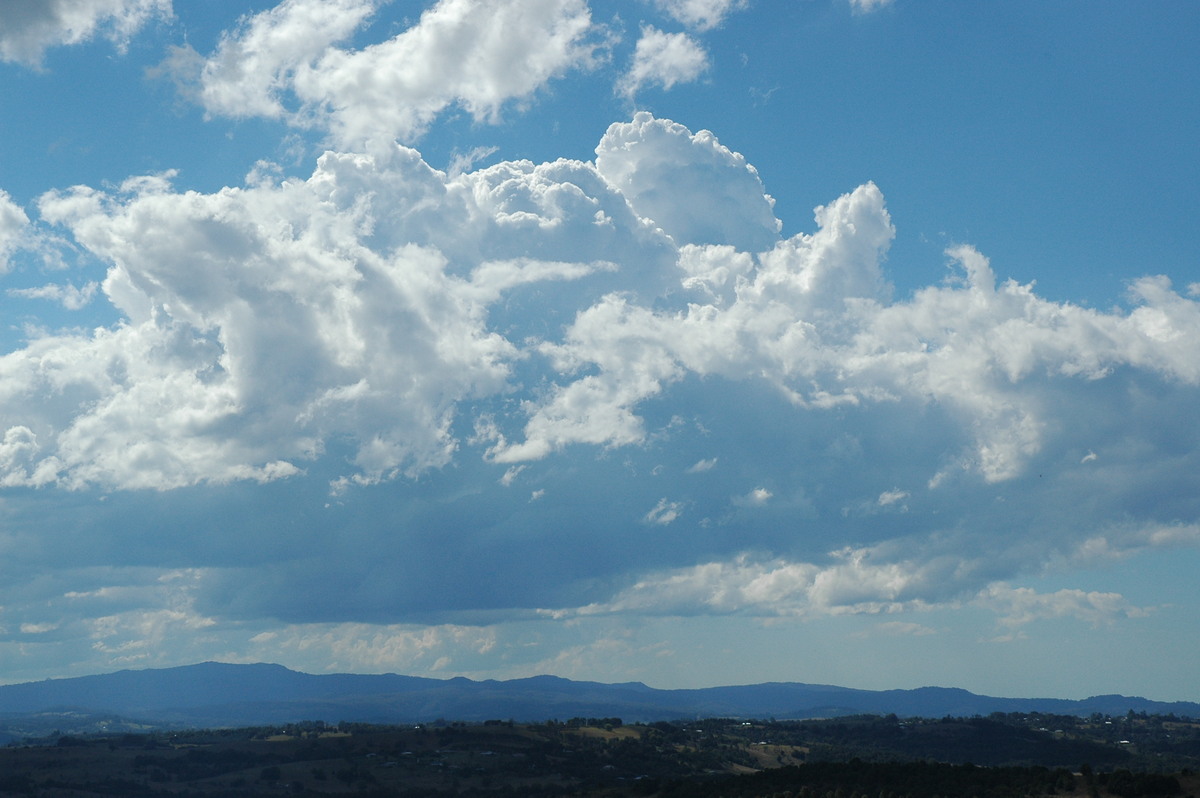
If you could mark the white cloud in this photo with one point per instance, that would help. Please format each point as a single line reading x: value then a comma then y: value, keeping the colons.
x: 143, y: 637
x: 369, y: 648
x: 264, y: 321
x: 611, y: 656
x: 700, y: 15
x: 297, y: 325
x: 146, y: 617
x: 123, y: 616
x: 689, y: 185
x: 510, y: 475
x: 37, y: 628
x: 812, y: 316
x: 69, y: 296
x: 28, y: 29
x: 13, y: 228
x: 258, y: 62
x: 1178, y: 534
x: 1020, y: 606
x: 855, y: 581
x: 283, y: 63
x: 515, y: 343
x: 639, y: 351
x: 663, y: 59
x: 304, y: 310
x: 903, y: 629
x: 383, y: 319
x: 868, y: 6
x: 464, y: 161
x: 756, y: 498
x: 663, y: 513
x: 21, y: 461
x: 1122, y: 541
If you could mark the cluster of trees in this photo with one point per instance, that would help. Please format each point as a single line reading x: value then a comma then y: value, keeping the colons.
x: 603, y: 723
x: 1134, y: 785
x: 858, y: 779
x: 850, y: 757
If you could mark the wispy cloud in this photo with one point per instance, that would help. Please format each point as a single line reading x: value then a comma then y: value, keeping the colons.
x: 868, y: 6
x: 663, y: 513
x: 69, y: 296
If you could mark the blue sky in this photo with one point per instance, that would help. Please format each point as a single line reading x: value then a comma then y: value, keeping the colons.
x: 503, y: 338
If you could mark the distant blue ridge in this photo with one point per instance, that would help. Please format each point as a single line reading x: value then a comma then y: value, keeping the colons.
x: 220, y: 694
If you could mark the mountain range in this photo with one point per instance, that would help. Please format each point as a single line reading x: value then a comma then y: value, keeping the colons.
x: 213, y: 694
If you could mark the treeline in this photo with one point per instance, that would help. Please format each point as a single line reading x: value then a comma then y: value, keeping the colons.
x: 849, y: 757
x: 978, y: 741
x: 857, y: 779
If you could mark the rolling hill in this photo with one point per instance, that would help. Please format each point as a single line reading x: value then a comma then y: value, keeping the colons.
x: 215, y: 694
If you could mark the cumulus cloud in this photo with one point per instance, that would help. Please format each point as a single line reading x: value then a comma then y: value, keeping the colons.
x: 13, y: 227
x: 663, y: 59
x: 263, y: 320
x: 258, y: 62
x: 285, y: 63
x: 854, y: 581
x: 524, y: 322
x: 700, y: 15
x: 28, y: 29
x: 655, y: 163
x: 1020, y: 606
x: 851, y: 582
x: 814, y: 319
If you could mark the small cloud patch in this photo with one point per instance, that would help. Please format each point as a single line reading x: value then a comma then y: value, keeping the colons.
x: 663, y: 513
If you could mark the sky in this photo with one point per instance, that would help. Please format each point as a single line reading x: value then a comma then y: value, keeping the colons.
x: 689, y: 342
